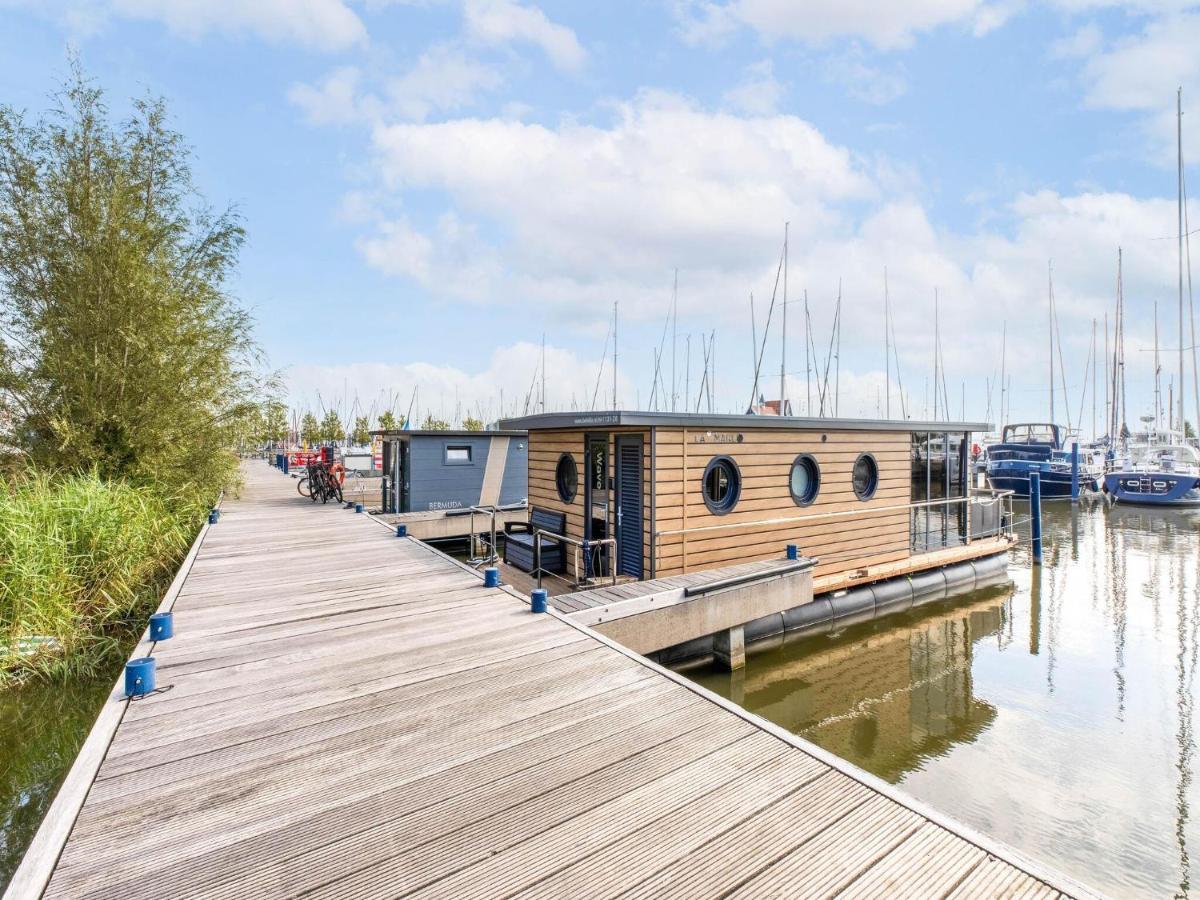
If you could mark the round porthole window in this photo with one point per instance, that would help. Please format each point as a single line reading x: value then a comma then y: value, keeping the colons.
x: 866, y: 477
x: 722, y: 485
x: 805, y: 480
x: 566, y: 478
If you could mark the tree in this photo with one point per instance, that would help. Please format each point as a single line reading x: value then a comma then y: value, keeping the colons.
x: 472, y: 424
x: 310, y: 428
x: 387, y: 420
x: 276, y: 421
x: 432, y: 424
x: 362, y: 431
x: 331, y: 427
x: 1188, y: 430
x: 120, y: 348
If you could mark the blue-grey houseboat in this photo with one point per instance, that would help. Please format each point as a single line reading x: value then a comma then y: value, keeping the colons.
x: 431, y: 477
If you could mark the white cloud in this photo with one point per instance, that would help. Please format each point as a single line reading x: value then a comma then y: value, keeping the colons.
x: 335, y: 100
x: 863, y: 81
x: 322, y: 24
x: 444, y: 78
x: 1083, y: 43
x: 885, y: 25
x: 506, y: 21
x: 759, y: 92
x: 398, y: 249
x: 451, y: 393
x: 1139, y: 72
x: 587, y: 208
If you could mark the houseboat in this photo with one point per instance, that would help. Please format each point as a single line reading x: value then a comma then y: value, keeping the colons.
x: 432, y: 480
x: 656, y: 495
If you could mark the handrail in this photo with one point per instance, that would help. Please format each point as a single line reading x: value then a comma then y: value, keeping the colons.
x: 492, y: 554
x: 578, y: 544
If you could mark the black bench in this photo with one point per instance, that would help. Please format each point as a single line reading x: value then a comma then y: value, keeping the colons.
x: 518, y: 541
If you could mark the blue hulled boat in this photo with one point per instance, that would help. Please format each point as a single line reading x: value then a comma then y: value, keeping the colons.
x: 1026, y: 447
x: 1161, y: 470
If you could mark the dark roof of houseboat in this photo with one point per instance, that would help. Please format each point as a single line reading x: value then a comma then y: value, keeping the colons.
x: 450, y: 433
x: 625, y: 418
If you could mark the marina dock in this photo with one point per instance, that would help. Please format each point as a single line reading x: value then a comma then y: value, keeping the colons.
x: 352, y: 714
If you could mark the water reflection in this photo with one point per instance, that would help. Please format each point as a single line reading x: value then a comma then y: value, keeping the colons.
x: 42, y: 727
x: 883, y: 700
x: 1055, y: 714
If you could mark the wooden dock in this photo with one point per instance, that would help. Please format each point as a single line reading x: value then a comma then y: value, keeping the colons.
x: 354, y: 715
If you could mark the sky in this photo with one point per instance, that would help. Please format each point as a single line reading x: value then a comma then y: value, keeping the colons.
x: 431, y: 188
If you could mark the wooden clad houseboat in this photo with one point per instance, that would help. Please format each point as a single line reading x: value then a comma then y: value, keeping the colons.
x: 669, y: 494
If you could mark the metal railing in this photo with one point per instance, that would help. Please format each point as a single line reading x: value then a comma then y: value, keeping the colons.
x: 478, y: 542
x: 980, y: 497
x: 578, y: 545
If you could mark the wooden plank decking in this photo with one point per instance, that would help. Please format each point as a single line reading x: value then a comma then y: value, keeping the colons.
x: 354, y: 715
x: 603, y: 596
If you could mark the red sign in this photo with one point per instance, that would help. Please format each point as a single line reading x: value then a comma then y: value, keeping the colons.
x: 301, y: 458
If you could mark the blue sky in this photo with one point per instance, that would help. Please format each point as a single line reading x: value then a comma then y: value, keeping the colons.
x: 431, y: 186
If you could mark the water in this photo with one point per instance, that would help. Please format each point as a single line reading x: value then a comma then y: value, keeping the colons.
x: 42, y: 727
x: 1056, y: 715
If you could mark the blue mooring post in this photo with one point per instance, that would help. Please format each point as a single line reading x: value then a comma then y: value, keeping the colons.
x: 214, y: 516
x: 1035, y: 514
x: 358, y: 507
x: 139, y: 676
x: 793, y: 552
x: 537, y: 600
x: 1075, y: 472
x: 401, y: 530
x: 162, y: 626
x: 491, y: 577
x: 285, y: 464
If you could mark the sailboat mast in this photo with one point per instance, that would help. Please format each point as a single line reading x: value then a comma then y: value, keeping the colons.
x: 1050, y: 293
x: 615, y: 354
x: 1179, y: 174
x: 675, y: 334
x: 936, y: 341
x: 887, y: 348
x: 1094, y: 368
x: 807, y: 359
x: 1003, y: 352
x: 1107, y: 362
x: 783, y: 334
x: 1157, y: 375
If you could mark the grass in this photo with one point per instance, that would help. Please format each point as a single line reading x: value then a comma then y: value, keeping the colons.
x: 83, y: 562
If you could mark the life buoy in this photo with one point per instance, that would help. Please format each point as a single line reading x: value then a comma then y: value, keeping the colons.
x: 338, y: 471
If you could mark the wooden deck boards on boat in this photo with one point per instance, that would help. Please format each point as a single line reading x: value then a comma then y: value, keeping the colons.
x: 603, y: 596
x: 354, y: 715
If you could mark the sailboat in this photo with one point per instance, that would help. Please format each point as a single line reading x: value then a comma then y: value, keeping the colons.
x: 1041, y: 446
x: 1158, y: 466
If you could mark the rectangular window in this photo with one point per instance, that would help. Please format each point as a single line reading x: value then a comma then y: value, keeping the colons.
x: 458, y: 454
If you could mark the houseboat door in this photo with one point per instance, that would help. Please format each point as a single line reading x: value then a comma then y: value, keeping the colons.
x: 595, y: 522
x: 629, y: 505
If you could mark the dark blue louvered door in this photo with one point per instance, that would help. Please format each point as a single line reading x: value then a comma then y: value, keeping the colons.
x: 629, y: 506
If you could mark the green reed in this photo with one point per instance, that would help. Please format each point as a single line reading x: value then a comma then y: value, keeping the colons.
x: 83, y: 562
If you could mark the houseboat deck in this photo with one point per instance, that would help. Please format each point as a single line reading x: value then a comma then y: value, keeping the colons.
x: 355, y: 715
x: 603, y: 596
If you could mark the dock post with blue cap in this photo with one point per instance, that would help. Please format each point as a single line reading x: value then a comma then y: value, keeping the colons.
x: 1035, y: 514
x: 139, y: 676
x: 162, y: 626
